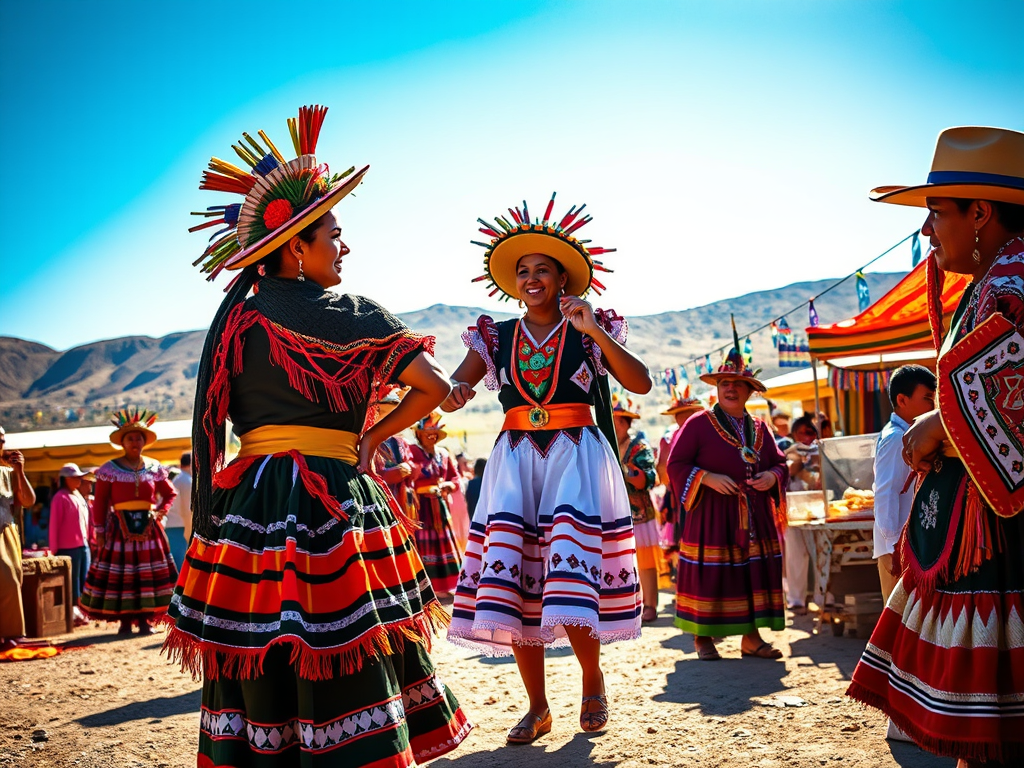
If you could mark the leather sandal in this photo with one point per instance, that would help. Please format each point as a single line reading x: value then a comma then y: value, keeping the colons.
x: 763, y: 651
x: 708, y: 652
x: 530, y: 728
x: 593, y: 720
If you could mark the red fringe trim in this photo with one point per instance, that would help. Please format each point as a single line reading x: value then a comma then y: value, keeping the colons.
x: 973, y: 750
x: 977, y: 544
x: 203, y: 659
x: 315, y: 484
x: 366, y: 365
x: 926, y: 579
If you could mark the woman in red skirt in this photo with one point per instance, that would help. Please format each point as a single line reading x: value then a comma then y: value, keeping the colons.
x: 133, y: 575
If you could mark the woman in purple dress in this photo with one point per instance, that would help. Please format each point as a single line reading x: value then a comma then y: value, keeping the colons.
x: 730, y: 477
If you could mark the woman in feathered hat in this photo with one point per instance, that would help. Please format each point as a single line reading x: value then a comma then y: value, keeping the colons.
x: 393, y: 461
x: 682, y: 406
x: 946, y: 660
x: 550, y: 559
x: 302, y: 600
x: 731, y: 479
x: 132, y: 577
x: 638, y: 467
x: 437, y: 478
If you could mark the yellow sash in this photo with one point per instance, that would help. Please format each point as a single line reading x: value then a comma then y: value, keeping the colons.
x: 309, y: 441
x: 134, y: 504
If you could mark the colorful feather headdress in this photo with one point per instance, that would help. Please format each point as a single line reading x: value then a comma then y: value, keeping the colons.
x: 132, y: 420
x: 281, y: 196
x: 517, y: 236
x: 623, y: 405
x: 682, y: 400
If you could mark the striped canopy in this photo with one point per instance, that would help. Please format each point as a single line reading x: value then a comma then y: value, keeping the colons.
x: 897, y: 322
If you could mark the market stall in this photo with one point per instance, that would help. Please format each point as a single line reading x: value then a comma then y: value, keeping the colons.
x: 862, y: 351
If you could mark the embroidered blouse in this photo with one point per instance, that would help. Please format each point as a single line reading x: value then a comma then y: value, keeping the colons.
x: 561, y: 369
x: 115, y: 484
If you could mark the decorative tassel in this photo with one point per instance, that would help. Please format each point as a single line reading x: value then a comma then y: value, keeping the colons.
x: 976, y: 544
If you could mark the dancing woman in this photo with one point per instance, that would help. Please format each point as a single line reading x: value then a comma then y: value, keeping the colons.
x: 946, y: 661
x: 551, y: 556
x: 302, y: 600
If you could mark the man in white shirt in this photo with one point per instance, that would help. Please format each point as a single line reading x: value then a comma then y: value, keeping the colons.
x: 911, y: 394
x: 178, y: 522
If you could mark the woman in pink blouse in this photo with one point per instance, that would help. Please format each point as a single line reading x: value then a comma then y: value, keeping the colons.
x: 69, y: 529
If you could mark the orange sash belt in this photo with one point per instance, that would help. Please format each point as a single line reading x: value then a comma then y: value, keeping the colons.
x: 565, y: 416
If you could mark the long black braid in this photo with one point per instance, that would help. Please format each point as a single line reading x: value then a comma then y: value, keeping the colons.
x: 202, y: 472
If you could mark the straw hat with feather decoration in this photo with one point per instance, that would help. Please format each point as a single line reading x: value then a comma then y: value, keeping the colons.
x: 132, y: 420
x: 280, y: 197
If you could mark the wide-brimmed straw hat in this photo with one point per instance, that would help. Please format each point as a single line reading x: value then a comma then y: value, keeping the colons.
x: 735, y: 367
x: 623, y: 406
x: 517, y: 236
x: 972, y: 163
x: 132, y: 420
x: 431, y: 423
x: 683, y: 401
x: 281, y: 197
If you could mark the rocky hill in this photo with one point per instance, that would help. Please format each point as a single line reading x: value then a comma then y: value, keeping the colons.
x: 43, y: 388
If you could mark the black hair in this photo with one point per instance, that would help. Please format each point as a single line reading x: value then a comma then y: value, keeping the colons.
x: 272, y: 263
x: 807, y: 420
x: 905, y: 380
x: 202, y: 476
x: 1010, y: 215
x: 478, y: 467
x: 186, y: 459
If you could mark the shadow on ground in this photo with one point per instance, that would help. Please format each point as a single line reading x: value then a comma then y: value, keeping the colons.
x: 724, y: 687
x: 536, y: 755
x: 144, y: 710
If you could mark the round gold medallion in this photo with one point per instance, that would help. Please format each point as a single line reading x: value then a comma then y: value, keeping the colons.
x: 538, y: 417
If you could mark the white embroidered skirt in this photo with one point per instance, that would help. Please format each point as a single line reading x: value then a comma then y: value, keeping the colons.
x: 551, y: 544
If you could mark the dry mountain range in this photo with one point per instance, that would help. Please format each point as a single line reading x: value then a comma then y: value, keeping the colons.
x: 40, y: 387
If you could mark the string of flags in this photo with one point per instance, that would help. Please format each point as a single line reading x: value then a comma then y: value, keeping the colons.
x: 793, y: 349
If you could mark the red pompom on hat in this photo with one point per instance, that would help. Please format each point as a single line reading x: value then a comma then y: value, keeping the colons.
x: 277, y: 213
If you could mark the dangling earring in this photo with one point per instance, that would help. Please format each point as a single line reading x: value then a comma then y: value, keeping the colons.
x: 520, y: 303
x: 977, y: 254
x: 302, y: 277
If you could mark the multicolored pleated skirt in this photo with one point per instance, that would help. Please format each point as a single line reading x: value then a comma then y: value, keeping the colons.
x: 435, y: 542
x: 311, y: 628
x: 133, y: 574
x: 729, y: 580
x: 550, y: 545
x: 946, y: 660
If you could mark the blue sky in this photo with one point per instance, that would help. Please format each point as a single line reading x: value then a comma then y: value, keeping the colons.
x: 723, y: 147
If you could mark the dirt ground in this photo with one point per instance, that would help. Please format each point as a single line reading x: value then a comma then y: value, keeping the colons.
x: 115, y: 702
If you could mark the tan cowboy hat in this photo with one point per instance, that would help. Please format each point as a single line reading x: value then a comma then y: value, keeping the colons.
x: 431, y: 423
x: 972, y: 163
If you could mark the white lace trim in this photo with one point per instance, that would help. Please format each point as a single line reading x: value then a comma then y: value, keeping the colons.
x: 153, y: 471
x: 475, y: 341
x: 620, y: 332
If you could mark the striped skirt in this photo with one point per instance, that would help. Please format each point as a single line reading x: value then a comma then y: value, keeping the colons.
x: 309, y: 616
x: 133, y: 574
x: 729, y: 580
x: 550, y: 545
x: 435, y: 542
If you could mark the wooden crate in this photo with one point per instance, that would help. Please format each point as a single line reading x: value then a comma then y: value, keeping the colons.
x: 46, y: 593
